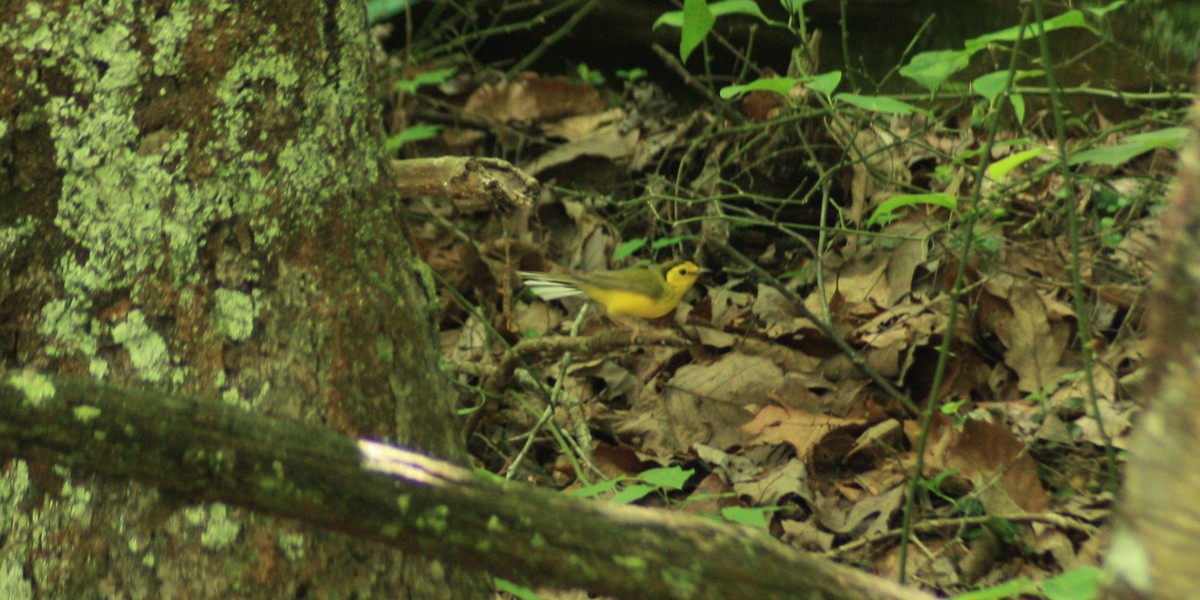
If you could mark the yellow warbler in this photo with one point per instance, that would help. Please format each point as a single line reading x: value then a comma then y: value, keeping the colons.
x: 647, y: 293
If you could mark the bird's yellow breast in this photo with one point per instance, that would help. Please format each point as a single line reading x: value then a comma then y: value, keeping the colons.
x: 633, y: 304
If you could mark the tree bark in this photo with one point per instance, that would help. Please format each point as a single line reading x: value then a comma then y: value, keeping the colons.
x: 1155, y: 550
x: 205, y: 450
x: 193, y: 198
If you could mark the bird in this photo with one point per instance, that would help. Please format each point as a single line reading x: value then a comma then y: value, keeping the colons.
x: 647, y: 293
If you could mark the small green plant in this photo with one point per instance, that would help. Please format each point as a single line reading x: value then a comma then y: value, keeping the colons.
x: 934, y: 486
x: 589, y: 75
x: 647, y: 482
x: 517, y: 591
x: 629, y: 247
x: 697, y: 18
x: 885, y: 212
x: 633, y: 74
x: 416, y: 133
x: 1082, y: 583
x: 420, y: 131
x: 1130, y: 147
x: 933, y: 68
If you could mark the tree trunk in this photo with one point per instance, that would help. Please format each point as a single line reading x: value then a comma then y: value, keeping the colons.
x: 1155, y: 549
x: 193, y: 198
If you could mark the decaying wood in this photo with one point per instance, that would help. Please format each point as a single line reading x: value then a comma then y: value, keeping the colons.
x: 203, y: 451
x: 474, y: 184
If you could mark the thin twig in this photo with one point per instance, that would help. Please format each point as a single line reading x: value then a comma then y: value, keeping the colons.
x: 1083, y: 332
x: 1055, y: 519
x: 553, y: 38
x: 956, y: 292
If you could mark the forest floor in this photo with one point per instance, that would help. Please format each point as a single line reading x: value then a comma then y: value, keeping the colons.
x: 849, y: 318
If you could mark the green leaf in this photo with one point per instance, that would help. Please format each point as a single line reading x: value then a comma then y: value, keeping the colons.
x: 666, y: 242
x: 589, y: 75
x: 1100, y: 11
x: 738, y: 7
x: 997, y: 170
x: 414, y: 133
x: 1007, y: 530
x: 881, y: 104
x: 1082, y: 583
x: 588, y: 491
x: 931, y: 69
x: 1018, y: 104
x: 824, y: 83
x: 1008, y: 589
x: 462, y: 412
x: 754, y: 517
x: 627, y: 248
x: 698, y: 20
x: 1130, y: 147
x: 883, y: 212
x: 382, y: 10
x: 779, y: 85
x: 674, y: 18
x: 518, y: 591
x: 632, y: 494
x: 991, y: 85
x: 940, y: 478
x: 1067, y: 20
x: 434, y: 77
x: 794, y: 6
x: 671, y: 478
x: 633, y: 74
x: 951, y: 408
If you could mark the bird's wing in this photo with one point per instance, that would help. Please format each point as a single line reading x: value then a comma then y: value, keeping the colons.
x: 639, y: 281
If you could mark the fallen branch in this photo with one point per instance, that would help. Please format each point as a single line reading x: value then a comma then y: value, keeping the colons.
x: 205, y: 451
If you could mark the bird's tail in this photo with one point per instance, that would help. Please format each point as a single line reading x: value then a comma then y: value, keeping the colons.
x: 550, y: 287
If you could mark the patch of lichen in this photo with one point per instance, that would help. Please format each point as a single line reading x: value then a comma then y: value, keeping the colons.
x: 164, y: 124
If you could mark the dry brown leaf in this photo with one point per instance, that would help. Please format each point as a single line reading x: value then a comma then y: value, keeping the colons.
x: 1004, y: 474
x: 619, y: 383
x: 805, y: 535
x: 893, y: 336
x: 883, y: 433
x: 777, y: 314
x: 616, y: 461
x: 581, y: 126
x: 906, y: 255
x: 539, y: 317
x: 733, y: 468
x: 880, y: 169
x: 530, y: 98
x: 708, y: 403
x: 736, y: 378
x: 606, y: 142
x: 989, y: 455
x: 727, y: 303
x: 863, y: 284
x: 770, y: 487
x: 803, y: 430
x: 867, y: 517
x: 936, y: 562
x: 1032, y: 329
x: 710, y: 493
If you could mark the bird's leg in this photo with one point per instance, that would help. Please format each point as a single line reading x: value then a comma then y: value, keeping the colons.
x: 633, y: 324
